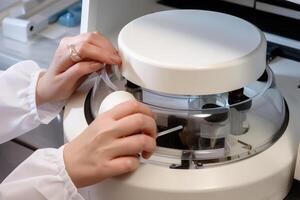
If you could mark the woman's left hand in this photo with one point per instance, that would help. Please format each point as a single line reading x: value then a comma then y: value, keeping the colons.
x: 67, y: 72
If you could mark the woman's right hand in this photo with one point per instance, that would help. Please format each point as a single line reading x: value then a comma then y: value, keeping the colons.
x: 110, y: 145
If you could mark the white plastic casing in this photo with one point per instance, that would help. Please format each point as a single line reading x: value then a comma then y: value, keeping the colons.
x: 266, y: 176
x: 246, y: 180
x: 191, y: 52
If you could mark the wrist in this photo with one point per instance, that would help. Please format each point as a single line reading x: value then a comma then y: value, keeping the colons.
x: 69, y: 166
x: 40, y: 97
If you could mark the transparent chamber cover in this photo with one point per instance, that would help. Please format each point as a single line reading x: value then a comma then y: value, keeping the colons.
x: 199, y: 131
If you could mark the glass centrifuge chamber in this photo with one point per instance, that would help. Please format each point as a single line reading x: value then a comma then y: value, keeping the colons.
x: 197, y: 131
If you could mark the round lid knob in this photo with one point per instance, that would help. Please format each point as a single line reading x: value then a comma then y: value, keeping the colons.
x: 191, y: 52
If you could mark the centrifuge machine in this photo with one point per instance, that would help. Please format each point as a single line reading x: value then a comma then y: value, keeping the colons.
x: 224, y: 129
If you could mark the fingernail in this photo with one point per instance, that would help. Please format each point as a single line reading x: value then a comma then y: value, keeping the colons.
x: 116, y: 59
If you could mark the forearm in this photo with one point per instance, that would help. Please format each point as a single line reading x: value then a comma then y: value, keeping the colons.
x: 18, y: 111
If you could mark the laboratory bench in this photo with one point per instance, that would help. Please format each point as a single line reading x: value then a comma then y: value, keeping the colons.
x: 11, y: 155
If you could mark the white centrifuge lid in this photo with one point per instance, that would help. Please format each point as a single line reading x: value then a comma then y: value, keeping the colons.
x: 191, y: 52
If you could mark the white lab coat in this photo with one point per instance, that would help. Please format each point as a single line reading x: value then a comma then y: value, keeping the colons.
x: 43, y: 174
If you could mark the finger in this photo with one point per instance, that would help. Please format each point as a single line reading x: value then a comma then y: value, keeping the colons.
x: 133, y: 145
x: 99, y: 40
x: 136, y: 123
x: 129, y: 108
x: 122, y: 165
x: 79, y: 82
x: 88, y: 51
x: 80, y: 70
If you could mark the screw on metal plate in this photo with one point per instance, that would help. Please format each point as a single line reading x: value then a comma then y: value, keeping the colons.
x: 198, y: 164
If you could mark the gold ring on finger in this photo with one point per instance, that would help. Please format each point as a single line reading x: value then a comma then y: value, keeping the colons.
x: 73, y: 54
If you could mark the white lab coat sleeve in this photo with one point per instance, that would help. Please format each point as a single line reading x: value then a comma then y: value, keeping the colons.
x: 41, y: 176
x: 18, y: 111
